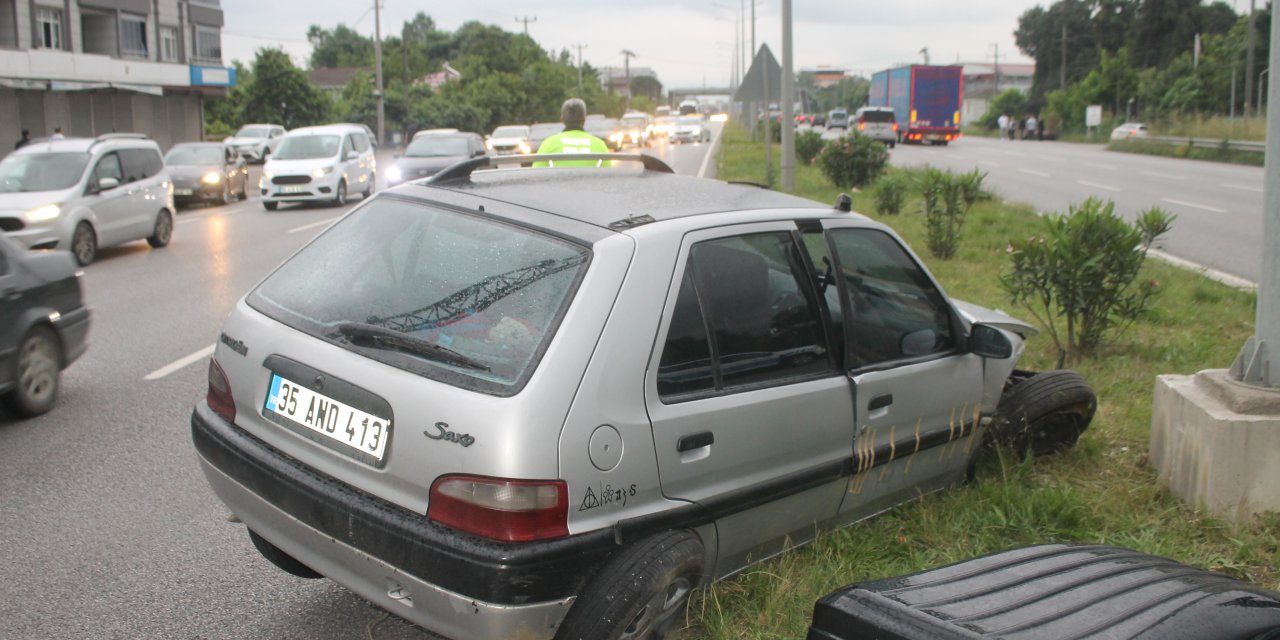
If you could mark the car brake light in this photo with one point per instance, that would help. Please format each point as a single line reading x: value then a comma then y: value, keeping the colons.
x: 862, y: 126
x: 219, y: 396
x: 500, y: 508
x: 895, y: 126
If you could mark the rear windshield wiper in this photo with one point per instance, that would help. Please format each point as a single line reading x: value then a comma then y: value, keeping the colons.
x: 382, y: 338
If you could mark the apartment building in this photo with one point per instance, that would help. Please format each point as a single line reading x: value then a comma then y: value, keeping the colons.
x: 98, y: 66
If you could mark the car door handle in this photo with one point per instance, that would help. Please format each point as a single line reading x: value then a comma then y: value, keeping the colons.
x: 880, y: 402
x: 695, y: 441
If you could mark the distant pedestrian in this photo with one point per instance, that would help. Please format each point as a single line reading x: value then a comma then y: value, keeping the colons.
x: 1022, y: 128
x: 1003, y: 124
x: 24, y: 140
x: 1033, y: 127
x: 57, y: 134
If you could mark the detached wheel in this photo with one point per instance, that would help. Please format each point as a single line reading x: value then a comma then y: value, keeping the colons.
x: 162, y: 233
x: 641, y: 593
x: 37, y: 370
x: 1045, y: 413
x: 280, y: 559
x: 84, y: 243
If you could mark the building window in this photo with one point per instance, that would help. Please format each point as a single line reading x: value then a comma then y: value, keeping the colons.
x: 133, y: 36
x: 168, y: 44
x: 208, y: 44
x: 49, y: 28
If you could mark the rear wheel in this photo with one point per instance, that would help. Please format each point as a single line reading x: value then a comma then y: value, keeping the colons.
x: 1045, y: 413
x: 641, y: 593
x: 36, y: 371
x: 84, y: 243
x: 340, y: 195
x: 163, y: 230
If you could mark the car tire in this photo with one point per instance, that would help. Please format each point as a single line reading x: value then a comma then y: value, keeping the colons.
x: 162, y: 232
x: 640, y: 593
x: 280, y: 559
x: 1045, y: 413
x: 244, y: 188
x: 225, y: 196
x: 37, y: 372
x: 270, y: 206
x: 368, y: 191
x: 340, y: 194
x: 84, y: 244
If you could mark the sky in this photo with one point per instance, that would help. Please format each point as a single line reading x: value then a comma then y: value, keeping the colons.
x: 688, y: 44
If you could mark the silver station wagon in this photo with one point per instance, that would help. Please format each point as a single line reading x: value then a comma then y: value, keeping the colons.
x: 539, y: 403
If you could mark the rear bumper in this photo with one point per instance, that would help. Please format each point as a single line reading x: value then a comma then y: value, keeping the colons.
x: 449, y: 582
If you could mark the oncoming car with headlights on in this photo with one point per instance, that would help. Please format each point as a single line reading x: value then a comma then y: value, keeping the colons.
x: 206, y: 172
x: 427, y: 155
x: 501, y: 409
x: 510, y: 140
x: 319, y: 164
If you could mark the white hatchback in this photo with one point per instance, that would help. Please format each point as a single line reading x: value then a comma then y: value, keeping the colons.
x: 319, y: 164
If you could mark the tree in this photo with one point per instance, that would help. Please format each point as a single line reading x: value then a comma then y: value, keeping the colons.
x: 341, y: 46
x: 280, y: 93
x: 1010, y: 101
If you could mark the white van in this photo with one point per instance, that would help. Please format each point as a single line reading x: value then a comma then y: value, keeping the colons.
x: 319, y: 164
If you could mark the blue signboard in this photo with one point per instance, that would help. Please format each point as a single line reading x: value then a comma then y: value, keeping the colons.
x: 213, y: 76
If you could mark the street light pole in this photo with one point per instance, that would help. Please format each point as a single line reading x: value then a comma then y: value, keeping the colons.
x: 579, y: 47
x: 788, y: 123
x: 627, y: 55
x: 377, y: 62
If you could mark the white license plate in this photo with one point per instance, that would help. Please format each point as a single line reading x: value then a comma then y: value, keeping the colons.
x: 293, y: 188
x: 363, y: 432
x: 182, y: 192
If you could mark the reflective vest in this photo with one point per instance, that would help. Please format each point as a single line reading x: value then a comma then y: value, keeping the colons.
x: 576, y: 141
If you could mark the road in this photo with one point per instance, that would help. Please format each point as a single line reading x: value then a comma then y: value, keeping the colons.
x: 1218, y: 206
x: 108, y: 527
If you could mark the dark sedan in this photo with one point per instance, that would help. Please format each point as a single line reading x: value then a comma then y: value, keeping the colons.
x: 206, y: 172
x: 43, y: 325
x: 428, y: 154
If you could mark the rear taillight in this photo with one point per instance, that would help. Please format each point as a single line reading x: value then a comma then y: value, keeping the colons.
x: 895, y: 126
x: 502, y: 509
x: 862, y: 126
x: 219, y: 396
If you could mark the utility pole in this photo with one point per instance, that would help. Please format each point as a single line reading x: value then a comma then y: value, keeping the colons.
x: 788, y: 104
x: 1248, y: 59
x: 924, y: 51
x: 996, y: 91
x: 627, y: 55
x: 1062, y: 71
x: 579, y: 47
x: 526, y: 20
x: 377, y: 62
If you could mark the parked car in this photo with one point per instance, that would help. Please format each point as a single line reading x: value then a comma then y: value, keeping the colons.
x: 80, y: 194
x: 534, y: 412
x: 606, y: 129
x: 1053, y: 592
x: 877, y: 123
x: 427, y: 155
x: 319, y: 164
x: 207, y: 172
x: 690, y: 129
x: 541, y: 131
x: 510, y: 140
x: 838, y: 118
x: 44, y: 325
x: 1130, y: 131
x: 257, y: 141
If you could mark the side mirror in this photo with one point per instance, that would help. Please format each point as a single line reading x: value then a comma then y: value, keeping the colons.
x: 107, y: 184
x: 989, y: 342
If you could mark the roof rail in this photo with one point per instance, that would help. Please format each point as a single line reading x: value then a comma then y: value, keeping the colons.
x: 107, y: 137
x: 465, y: 168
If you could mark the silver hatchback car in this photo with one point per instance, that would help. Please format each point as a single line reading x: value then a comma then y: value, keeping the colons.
x: 544, y: 403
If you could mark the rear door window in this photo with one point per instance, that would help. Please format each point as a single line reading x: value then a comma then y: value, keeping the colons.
x: 449, y: 295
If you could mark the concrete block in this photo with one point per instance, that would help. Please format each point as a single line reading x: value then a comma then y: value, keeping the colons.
x: 1216, y: 443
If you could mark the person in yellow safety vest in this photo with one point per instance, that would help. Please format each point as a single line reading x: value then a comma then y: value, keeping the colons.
x: 573, y: 113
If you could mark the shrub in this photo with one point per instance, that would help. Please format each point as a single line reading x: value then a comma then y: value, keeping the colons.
x: 946, y: 199
x: 890, y: 191
x: 808, y: 144
x: 852, y: 162
x: 1083, y: 269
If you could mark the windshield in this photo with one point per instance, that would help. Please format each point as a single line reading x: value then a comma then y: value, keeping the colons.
x: 42, y: 171
x: 252, y: 132
x: 511, y: 132
x: 689, y: 121
x: 604, y: 125
x: 204, y: 156
x: 307, y: 147
x: 633, y: 123
x: 475, y: 300
x: 437, y: 146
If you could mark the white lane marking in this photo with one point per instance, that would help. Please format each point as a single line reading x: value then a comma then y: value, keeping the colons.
x: 1099, y: 165
x: 1034, y: 173
x: 1166, y: 176
x: 179, y: 364
x: 1242, y: 187
x: 1015, y: 154
x: 994, y: 164
x: 711, y: 152
x: 958, y: 157
x: 1047, y: 159
x: 1193, y: 205
x: 1097, y: 186
x: 1212, y: 274
x: 314, y: 224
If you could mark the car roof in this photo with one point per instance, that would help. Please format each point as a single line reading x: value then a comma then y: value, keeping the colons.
x: 199, y: 144
x: 327, y: 128
x: 601, y: 197
x: 104, y: 142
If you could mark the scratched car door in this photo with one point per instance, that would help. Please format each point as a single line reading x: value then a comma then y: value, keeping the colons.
x: 916, y: 389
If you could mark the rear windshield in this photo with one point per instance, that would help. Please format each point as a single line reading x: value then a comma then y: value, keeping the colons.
x: 478, y: 300
x: 877, y: 116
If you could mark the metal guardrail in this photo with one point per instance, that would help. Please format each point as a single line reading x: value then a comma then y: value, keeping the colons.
x: 1209, y: 143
